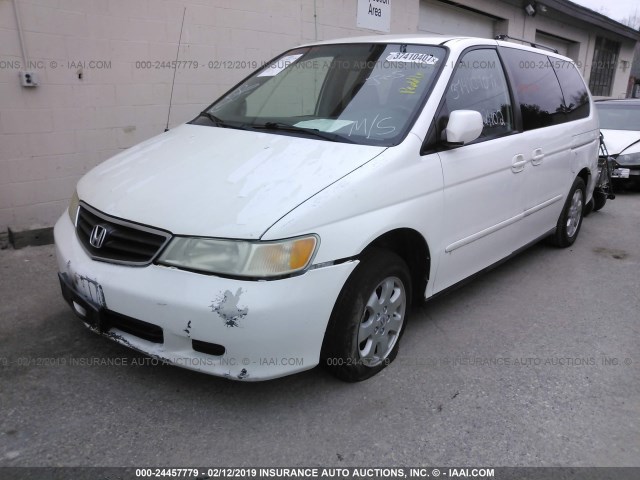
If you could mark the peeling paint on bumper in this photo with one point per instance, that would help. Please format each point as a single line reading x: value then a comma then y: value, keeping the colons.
x: 277, y: 326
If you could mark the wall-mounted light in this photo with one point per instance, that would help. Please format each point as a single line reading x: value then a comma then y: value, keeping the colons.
x: 530, y: 9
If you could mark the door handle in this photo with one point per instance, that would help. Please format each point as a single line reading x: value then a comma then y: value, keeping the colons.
x: 537, y: 157
x: 518, y: 163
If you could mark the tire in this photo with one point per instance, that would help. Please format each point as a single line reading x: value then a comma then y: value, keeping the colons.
x: 588, y: 208
x: 570, y: 220
x: 599, y: 199
x: 369, y: 317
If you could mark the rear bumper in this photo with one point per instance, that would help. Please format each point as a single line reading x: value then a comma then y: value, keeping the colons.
x: 232, y: 328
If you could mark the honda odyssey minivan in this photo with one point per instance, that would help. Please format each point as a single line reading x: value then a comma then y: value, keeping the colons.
x: 294, y: 221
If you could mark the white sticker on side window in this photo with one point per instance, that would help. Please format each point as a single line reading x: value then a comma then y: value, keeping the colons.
x: 423, y: 58
x: 279, y: 65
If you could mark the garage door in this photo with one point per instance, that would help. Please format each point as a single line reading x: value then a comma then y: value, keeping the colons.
x: 438, y: 17
x: 554, y: 42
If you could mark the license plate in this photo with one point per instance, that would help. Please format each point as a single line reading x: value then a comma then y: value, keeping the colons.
x: 90, y: 289
x: 87, y: 311
x: 620, y: 173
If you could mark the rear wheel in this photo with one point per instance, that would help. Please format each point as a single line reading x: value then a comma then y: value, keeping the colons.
x: 368, y: 318
x: 570, y: 219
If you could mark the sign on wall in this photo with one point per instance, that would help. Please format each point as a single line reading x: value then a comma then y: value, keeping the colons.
x: 374, y: 15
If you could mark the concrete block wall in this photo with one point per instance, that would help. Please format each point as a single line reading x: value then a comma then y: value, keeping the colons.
x: 103, y: 87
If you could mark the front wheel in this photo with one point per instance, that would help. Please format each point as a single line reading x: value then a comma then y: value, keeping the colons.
x: 570, y: 219
x: 368, y: 318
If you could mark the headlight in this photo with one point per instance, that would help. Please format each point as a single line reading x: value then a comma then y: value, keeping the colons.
x: 241, y: 258
x: 74, y: 204
x: 629, y: 159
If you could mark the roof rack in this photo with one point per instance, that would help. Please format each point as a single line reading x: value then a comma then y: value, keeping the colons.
x: 535, y: 45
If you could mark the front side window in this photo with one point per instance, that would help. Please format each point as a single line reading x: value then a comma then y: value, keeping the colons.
x: 479, y: 84
x: 356, y: 93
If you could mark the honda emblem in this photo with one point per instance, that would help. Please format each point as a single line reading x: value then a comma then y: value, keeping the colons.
x: 98, y: 236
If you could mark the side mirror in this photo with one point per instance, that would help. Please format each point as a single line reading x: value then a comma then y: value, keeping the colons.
x: 464, y: 126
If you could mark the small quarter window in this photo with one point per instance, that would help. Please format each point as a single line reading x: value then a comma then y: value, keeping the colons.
x: 576, y: 96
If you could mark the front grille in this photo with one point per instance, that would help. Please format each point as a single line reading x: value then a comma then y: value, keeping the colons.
x: 123, y: 242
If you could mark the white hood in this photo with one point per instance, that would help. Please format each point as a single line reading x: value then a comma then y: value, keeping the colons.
x: 617, y: 140
x: 218, y: 182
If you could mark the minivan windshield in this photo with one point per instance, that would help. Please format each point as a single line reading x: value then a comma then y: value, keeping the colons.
x: 619, y: 116
x: 366, y: 93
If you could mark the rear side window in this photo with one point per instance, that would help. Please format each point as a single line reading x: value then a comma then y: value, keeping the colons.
x: 536, y: 87
x: 576, y: 95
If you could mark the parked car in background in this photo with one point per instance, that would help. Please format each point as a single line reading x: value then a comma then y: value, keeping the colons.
x: 620, y: 125
x: 296, y: 218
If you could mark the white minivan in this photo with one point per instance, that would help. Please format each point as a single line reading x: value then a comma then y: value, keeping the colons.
x: 294, y: 221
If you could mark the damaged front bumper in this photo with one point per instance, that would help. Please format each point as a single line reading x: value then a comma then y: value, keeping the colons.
x: 247, y: 330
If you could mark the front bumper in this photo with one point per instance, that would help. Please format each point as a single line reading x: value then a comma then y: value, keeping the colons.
x: 626, y: 171
x: 249, y: 330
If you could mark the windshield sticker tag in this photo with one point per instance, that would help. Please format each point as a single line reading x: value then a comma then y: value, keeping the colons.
x: 279, y: 65
x: 423, y: 58
x: 324, y: 124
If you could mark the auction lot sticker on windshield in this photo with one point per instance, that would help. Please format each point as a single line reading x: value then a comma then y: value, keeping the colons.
x: 324, y: 124
x: 423, y: 58
x: 279, y: 65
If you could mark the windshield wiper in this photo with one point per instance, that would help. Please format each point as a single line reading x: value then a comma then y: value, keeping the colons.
x: 213, y: 118
x: 221, y: 123
x: 286, y: 127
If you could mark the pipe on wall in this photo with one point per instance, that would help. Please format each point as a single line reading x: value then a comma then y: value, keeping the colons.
x: 23, y: 46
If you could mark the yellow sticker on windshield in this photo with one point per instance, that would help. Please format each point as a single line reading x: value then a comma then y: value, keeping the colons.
x: 412, y: 83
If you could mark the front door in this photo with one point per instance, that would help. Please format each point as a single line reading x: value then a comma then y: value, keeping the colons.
x: 484, y: 180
